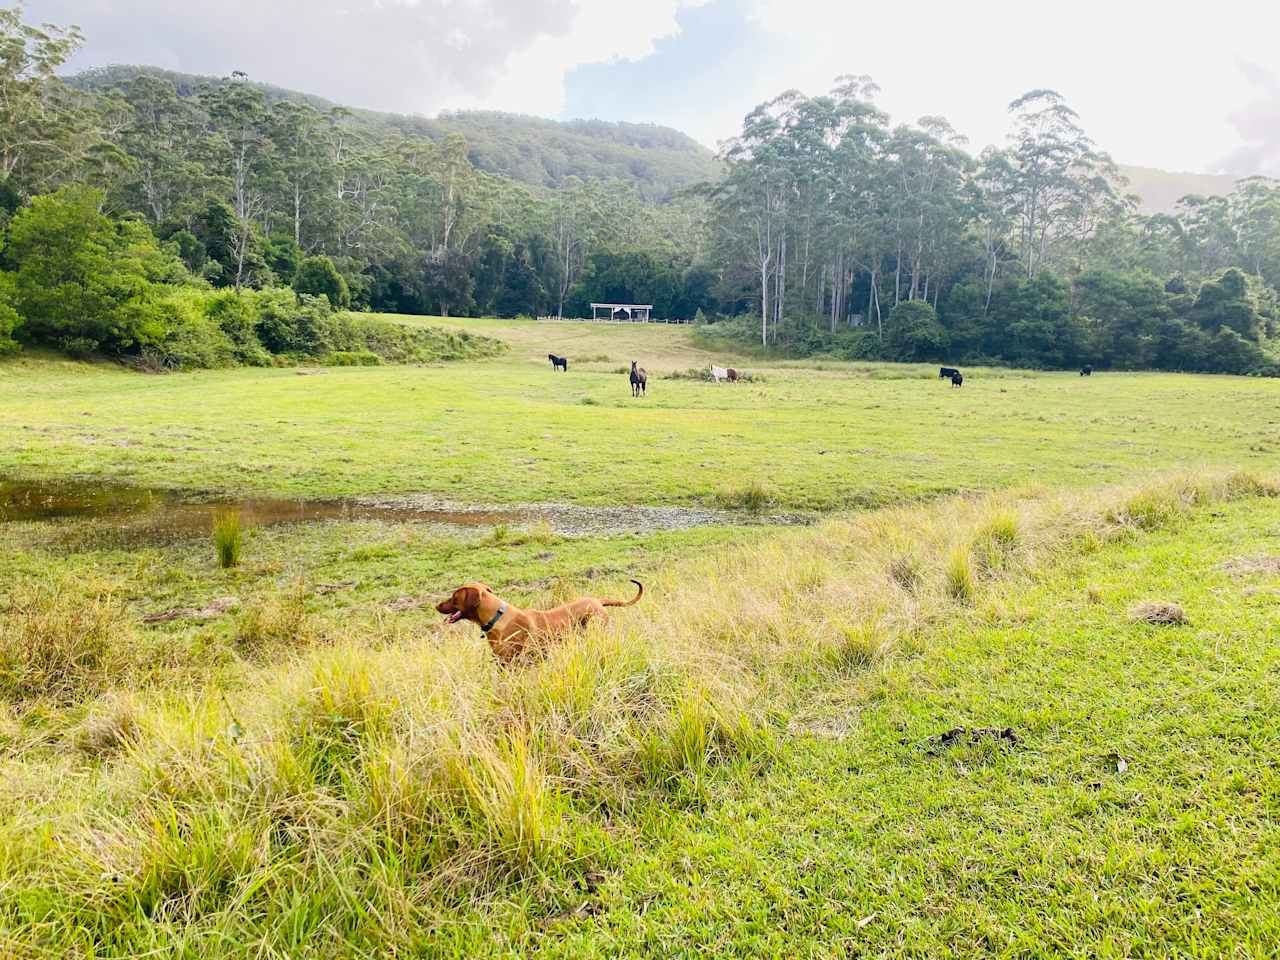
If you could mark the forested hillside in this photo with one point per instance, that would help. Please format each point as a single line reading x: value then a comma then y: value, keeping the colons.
x: 545, y: 153
x: 189, y: 221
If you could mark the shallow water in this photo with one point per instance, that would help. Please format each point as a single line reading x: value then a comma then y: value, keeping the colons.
x: 154, y: 514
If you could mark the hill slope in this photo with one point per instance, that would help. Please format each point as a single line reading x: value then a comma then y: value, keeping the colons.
x: 659, y: 160
x: 1161, y: 190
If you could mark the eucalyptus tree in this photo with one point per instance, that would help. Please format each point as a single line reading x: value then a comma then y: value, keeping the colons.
x: 1255, y: 210
x: 46, y: 129
x: 1210, y: 231
x: 928, y: 199
x: 162, y: 135
x: 1060, y: 187
x: 858, y: 225
x: 575, y: 221
x: 752, y: 199
x: 241, y: 151
x: 297, y: 134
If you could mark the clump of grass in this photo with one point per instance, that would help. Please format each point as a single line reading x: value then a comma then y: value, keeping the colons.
x: 509, y: 798
x: 279, y: 618
x: 690, y: 373
x: 857, y: 646
x: 1158, y: 613
x: 1151, y: 509
x: 751, y: 496
x: 959, y: 579
x: 228, y: 538
x: 995, y: 540
x: 538, y: 532
x: 905, y: 570
x: 109, y: 728
x: 690, y: 736
x: 62, y: 641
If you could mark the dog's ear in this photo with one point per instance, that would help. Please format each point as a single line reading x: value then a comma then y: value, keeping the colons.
x: 470, y: 598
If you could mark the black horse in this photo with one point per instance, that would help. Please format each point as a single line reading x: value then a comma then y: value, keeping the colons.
x: 946, y: 372
x: 558, y: 363
x: 957, y: 379
x: 1086, y: 371
x: 639, y: 380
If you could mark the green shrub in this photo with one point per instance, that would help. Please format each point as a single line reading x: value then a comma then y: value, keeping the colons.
x: 914, y: 332
x: 10, y: 321
x: 236, y: 313
x: 352, y: 358
x: 318, y: 277
x: 194, y: 339
x: 85, y: 283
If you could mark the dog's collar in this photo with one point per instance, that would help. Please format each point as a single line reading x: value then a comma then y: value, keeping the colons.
x: 502, y: 608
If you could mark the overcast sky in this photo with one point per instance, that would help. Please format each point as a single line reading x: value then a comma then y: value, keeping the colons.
x: 1171, y: 84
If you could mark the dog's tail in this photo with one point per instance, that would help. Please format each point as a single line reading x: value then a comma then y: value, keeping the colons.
x: 626, y: 603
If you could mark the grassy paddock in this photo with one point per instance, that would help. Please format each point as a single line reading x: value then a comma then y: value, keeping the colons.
x: 826, y: 436
x: 401, y: 792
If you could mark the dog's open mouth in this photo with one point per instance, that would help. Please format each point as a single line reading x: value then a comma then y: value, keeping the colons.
x: 454, y: 617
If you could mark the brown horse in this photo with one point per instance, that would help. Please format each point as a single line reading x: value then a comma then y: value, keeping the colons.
x: 639, y: 380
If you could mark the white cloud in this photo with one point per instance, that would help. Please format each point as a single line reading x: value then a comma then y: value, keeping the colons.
x: 602, y: 31
x: 1153, y: 83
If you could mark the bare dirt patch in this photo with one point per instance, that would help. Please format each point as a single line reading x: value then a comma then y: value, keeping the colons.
x: 1247, y: 566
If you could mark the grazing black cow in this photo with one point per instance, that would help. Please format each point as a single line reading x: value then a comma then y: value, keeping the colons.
x: 1086, y: 371
x: 558, y: 363
x: 946, y: 372
x: 639, y: 380
x: 957, y: 379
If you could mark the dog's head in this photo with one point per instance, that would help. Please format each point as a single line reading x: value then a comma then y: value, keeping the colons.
x: 464, y: 603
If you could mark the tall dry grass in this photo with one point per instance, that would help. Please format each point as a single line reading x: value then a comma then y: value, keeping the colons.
x: 369, y: 778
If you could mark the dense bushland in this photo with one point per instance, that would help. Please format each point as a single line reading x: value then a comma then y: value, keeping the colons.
x: 831, y: 230
x: 1106, y: 319
x: 88, y: 284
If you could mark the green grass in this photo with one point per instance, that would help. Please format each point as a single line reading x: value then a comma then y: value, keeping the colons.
x: 303, y: 761
x: 228, y: 538
x: 830, y: 436
x: 1134, y: 814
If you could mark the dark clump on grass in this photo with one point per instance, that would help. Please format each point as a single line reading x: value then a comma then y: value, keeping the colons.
x: 1158, y: 613
x: 905, y: 571
x: 228, y: 538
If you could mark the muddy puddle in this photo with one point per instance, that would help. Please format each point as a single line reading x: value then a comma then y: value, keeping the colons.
x: 139, y: 514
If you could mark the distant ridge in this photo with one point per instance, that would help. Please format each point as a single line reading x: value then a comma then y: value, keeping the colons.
x: 1160, y: 190
x: 659, y: 160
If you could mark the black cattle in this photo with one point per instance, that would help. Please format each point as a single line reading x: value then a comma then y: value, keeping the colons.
x: 1086, y: 371
x: 558, y: 363
x: 957, y: 379
x: 946, y: 372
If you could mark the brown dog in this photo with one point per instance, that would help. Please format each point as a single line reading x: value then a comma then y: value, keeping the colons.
x: 510, y: 630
